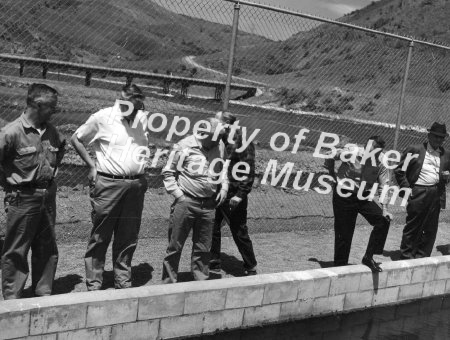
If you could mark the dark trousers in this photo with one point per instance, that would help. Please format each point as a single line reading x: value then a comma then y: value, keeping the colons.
x: 116, y: 209
x: 198, y: 215
x: 239, y: 231
x: 30, y: 223
x: 421, y: 226
x: 346, y: 211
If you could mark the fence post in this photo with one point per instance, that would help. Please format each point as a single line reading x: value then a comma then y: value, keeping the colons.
x: 226, y: 100
x: 129, y: 80
x: 21, y: 67
x: 402, y: 96
x: 87, y: 79
x: 44, y: 71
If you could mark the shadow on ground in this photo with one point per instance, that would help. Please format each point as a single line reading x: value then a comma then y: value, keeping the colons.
x: 230, y: 266
x: 322, y: 264
x: 444, y: 249
x: 66, y: 284
x: 394, y: 255
x: 140, y: 274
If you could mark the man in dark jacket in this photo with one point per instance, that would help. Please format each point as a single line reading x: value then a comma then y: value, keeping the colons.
x: 424, y: 169
x: 234, y: 210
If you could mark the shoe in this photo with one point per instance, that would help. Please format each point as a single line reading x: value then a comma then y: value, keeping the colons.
x: 370, y: 262
x: 251, y: 271
x: 215, y: 266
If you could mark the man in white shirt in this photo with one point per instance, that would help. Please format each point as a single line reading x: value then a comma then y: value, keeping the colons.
x: 119, y: 137
x: 427, y: 174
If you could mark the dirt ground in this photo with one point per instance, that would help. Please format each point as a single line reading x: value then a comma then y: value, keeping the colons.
x: 299, y: 249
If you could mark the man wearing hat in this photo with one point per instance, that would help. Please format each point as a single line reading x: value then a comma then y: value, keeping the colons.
x: 426, y: 173
x: 196, y: 178
x: 119, y: 137
x: 31, y: 149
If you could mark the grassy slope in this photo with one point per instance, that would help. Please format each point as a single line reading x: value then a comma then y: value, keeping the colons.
x: 144, y: 34
x: 364, y: 66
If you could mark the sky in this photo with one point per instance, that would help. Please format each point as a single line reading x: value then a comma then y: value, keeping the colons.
x: 331, y: 9
x: 266, y: 23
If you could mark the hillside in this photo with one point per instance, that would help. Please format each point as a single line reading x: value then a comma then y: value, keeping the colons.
x: 339, y: 70
x: 133, y: 33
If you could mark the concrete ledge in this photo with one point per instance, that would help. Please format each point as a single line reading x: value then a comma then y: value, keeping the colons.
x: 195, y: 308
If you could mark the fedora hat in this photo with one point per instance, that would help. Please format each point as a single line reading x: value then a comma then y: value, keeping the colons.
x: 438, y: 129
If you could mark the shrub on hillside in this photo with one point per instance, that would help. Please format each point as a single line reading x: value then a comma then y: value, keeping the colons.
x: 368, y: 107
x: 350, y: 80
x: 338, y: 104
x: 380, y: 23
x: 327, y: 61
x: 443, y: 84
x: 307, y: 66
x: 294, y: 96
x: 394, y: 79
x: 309, y: 99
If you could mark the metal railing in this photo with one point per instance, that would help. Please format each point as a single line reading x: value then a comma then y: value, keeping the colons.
x: 130, y: 75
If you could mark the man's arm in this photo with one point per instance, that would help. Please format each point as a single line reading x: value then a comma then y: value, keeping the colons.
x: 330, y: 163
x: 5, y: 147
x: 86, y: 133
x: 61, y: 152
x: 84, y: 154
x: 245, y: 185
x: 170, y: 173
x: 400, y: 175
x: 224, y: 180
x: 383, y: 181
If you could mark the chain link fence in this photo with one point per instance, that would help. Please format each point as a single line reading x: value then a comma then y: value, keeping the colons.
x: 295, y: 72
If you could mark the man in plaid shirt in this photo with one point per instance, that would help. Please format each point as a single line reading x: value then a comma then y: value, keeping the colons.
x: 234, y: 209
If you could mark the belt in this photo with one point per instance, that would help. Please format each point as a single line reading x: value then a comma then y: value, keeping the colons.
x: 198, y: 198
x: 30, y: 186
x: 426, y: 186
x: 118, y: 177
x: 354, y: 191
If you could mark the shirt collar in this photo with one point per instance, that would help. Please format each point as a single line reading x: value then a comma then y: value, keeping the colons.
x: 430, y: 149
x: 118, y: 113
x: 26, y: 124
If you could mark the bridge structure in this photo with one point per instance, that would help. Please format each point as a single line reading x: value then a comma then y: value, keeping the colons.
x: 129, y: 75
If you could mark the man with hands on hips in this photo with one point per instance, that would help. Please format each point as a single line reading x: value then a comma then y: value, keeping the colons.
x: 119, y: 136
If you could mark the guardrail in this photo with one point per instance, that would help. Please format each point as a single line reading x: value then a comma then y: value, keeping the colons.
x: 89, y: 70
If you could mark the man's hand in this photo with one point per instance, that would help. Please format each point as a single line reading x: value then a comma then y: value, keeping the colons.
x: 446, y: 176
x: 221, y: 197
x: 92, y: 175
x: 180, y: 199
x: 387, y: 215
x: 234, y: 202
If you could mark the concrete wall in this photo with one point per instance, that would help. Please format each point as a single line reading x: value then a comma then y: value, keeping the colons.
x: 193, y: 308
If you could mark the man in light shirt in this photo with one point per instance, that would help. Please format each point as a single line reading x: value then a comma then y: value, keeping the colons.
x: 427, y: 175
x: 119, y: 137
x: 196, y: 178
x: 355, y: 190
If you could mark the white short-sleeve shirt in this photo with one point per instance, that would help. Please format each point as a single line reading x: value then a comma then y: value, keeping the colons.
x: 121, y: 148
